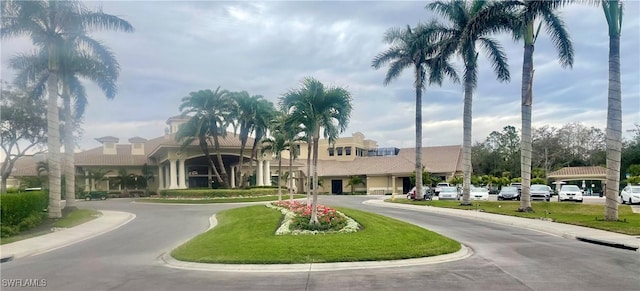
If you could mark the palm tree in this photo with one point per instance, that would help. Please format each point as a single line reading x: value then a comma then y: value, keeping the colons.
x: 48, y: 23
x: 210, y: 111
x: 146, y: 176
x: 244, y: 113
x: 97, y: 175
x: 320, y: 108
x: 276, y: 144
x: 526, y: 14
x: 355, y: 180
x: 265, y: 112
x: 471, y: 24
x: 613, y: 13
x: 414, y: 48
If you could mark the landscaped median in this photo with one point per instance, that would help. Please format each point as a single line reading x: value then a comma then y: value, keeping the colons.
x: 248, y: 236
x: 206, y: 196
x: 587, y: 215
x: 187, y: 200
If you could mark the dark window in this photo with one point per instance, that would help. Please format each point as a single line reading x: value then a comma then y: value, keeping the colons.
x: 339, y: 151
x: 347, y: 151
x: 331, y: 152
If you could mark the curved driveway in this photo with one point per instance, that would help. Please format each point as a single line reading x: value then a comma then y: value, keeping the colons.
x: 505, y: 258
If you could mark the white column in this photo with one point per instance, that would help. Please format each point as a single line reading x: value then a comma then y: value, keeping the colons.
x: 259, y: 174
x: 393, y: 185
x: 160, y: 177
x: 267, y: 173
x: 181, y: 175
x: 172, y: 175
x: 87, y: 181
x: 233, y: 177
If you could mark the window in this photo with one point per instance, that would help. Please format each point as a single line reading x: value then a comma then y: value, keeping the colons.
x: 347, y: 151
x: 331, y: 152
x: 339, y: 151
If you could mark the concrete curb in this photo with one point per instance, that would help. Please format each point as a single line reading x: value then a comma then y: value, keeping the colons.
x: 110, y: 220
x: 169, y: 261
x: 568, y: 231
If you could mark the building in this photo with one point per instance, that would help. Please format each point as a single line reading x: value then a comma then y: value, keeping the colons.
x: 385, y: 170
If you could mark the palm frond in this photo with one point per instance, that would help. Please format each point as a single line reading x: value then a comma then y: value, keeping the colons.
x: 560, y: 38
x: 497, y: 57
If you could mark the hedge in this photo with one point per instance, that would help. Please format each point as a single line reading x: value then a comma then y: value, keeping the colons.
x: 14, y: 208
x: 218, y: 193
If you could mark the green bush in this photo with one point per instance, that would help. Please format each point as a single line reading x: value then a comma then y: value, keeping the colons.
x: 9, y: 230
x: 31, y: 221
x: 13, y: 190
x: 218, y: 193
x: 14, y: 208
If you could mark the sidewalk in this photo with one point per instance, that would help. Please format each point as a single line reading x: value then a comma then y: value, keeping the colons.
x: 559, y: 229
x: 110, y: 220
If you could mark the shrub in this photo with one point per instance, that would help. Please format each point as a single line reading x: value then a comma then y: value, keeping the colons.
x: 8, y: 230
x: 14, y: 208
x: 31, y: 221
x: 13, y: 190
x: 328, y: 218
x: 217, y: 193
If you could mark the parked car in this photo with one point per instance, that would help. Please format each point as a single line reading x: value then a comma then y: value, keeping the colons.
x: 439, y: 187
x: 479, y: 193
x: 518, y: 186
x: 451, y: 193
x: 551, y: 192
x: 427, y: 193
x: 570, y: 193
x: 509, y: 193
x: 630, y: 194
x: 540, y: 192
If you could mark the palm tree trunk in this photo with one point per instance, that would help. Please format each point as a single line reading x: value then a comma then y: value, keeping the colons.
x: 314, y: 205
x: 466, y: 142
x: 223, y: 171
x: 69, y: 165
x: 525, y: 142
x: 419, y: 79
x: 53, y: 139
x: 291, y: 174
x: 279, y: 177
x: 309, y: 148
x: 241, y: 180
x: 204, y: 147
x: 614, y: 129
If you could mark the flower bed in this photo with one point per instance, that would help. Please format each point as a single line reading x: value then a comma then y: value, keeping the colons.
x: 297, y: 216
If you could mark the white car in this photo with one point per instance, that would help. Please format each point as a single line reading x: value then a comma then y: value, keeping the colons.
x: 570, y: 193
x: 449, y: 193
x: 630, y: 194
x: 439, y: 187
x: 479, y: 193
x: 540, y: 192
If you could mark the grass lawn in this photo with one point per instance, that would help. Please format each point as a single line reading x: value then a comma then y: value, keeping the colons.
x: 246, y: 236
x: 588, y: 215
x: 69, y: 219
x: 218, y: 200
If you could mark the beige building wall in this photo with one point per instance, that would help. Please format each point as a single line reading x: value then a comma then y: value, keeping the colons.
x: 354, y: 142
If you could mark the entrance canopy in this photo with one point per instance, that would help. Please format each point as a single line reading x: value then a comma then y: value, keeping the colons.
x: 579, y: 173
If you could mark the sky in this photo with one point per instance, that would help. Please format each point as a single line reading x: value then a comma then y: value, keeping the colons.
x: 267, y: 48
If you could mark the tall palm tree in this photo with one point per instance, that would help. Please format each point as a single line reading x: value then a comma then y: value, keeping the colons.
x: 265, y: 112
x: 321, y: 108
x: 471, y: 24
x: 82, y: 57
x: 276, y: 144
x: 415, y: 48
x: 210, y: 111
x: 244, y: 114
x: 48, y: 23
x: 526, y: 13
x: 356, y: 180
x: 613, y: 13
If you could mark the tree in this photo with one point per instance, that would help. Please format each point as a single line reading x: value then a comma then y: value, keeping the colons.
x: 244, y: 113
x: 319, y: 108
x: 353, y: 181
x: 48, y: 24
x: 124, y: 180
x: 146, y: 176
x: 471, y: 24
x: 265, y: 112
x: 613, y: 13
x: 96, y: 176
x: 22, y: 128
x: 276, y: 144
x: 426, y: 178
x: 210, y: 111
x: 414, y: 48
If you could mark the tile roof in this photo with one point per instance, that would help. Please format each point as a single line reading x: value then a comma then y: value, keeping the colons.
x: 579, y: 172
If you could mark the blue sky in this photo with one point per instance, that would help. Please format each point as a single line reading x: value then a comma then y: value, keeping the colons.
x: 266, y: 48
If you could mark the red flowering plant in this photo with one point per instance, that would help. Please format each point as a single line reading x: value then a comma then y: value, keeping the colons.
x: 298, y: 215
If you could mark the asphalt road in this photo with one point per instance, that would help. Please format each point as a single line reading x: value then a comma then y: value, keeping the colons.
x: 505, y: 258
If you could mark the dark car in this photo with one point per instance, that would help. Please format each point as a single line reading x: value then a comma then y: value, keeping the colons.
x: 427, y: 193
x: 509, y: 193
x: 102, y: 195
